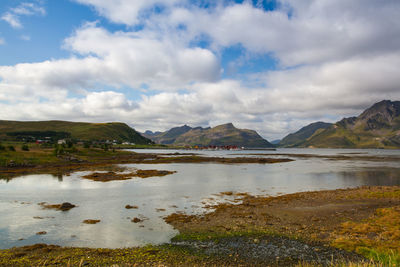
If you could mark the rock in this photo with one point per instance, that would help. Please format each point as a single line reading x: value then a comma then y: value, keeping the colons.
x: 136, y: 220
x: 131, y: 207
x: 66, y: 206
x: 90, y: 221
x: 41, y: 233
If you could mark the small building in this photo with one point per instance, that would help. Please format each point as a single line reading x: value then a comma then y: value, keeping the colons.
x: 61, y: 142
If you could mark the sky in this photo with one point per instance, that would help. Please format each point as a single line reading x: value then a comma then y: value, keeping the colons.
x: 273, y: 66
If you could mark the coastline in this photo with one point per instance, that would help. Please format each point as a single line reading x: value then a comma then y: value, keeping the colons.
x: 356, y: 225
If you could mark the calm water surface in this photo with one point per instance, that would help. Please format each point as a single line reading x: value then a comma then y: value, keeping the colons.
x: 187, y: 190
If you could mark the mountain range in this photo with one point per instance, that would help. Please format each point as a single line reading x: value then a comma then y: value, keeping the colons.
x: 376, y: 127
x: 222, y: 135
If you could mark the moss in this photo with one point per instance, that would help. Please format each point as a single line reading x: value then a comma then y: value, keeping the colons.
x: 216, y: 236
x: 41, y: 255
x: 377, y: 237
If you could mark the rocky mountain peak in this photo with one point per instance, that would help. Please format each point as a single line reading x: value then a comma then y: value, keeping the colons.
x: 380, y: 115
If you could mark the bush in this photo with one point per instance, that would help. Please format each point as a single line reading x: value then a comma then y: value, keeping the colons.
x: 86, y: 144
x: 11, y: 148
x: 59, y: 150
x: 25, y: 147
x: 105, y: 147
x: 69, y: 143
x: 2, y: 147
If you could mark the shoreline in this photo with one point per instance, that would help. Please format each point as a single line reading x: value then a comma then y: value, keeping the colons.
x: 330, y: 222
x: 76, y: 162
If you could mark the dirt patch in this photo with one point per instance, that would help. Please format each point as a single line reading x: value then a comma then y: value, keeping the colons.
x: 322, y: 216
x: 107, y: 176
x: 62, y: 207
x: 151, y: 173
x: 113, y: 176
x: 91, y: 221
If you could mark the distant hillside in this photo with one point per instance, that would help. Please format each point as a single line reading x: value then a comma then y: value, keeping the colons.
x: 167, y: 137
x: 275, y: 142
x: 221, y: 135
x: 377, y: 127
x: 303, y: 134
x: 78, y: 130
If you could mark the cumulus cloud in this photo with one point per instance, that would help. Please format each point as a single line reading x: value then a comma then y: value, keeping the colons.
x: 12, y: 16
x: 335, y: 58
x: 115, y: 59
x: 300, y: 32
x: 125, y: 11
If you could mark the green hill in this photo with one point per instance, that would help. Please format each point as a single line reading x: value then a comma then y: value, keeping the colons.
x: 377, y: 127
x: 167, y: 137
x: 77, y: 130
x: 303, y: 134
x: 222, y: 135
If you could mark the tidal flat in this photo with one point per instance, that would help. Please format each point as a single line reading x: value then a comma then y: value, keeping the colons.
x: 204, y: 212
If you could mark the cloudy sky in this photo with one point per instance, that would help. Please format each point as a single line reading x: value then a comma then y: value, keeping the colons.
x: 272, y: 66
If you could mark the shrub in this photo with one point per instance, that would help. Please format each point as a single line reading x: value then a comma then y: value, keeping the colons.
x: 25, y: 147
x: 86, y: 144
x: 59, y: 150
x: 11, y: 148
x: 2, y: 147
x: 105, y: 147
x: 69, y: 143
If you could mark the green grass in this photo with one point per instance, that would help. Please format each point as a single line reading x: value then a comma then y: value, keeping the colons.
x: 39, y: 155
x: 377, y: 238
x: 41, y: 255
x: 78, y: 130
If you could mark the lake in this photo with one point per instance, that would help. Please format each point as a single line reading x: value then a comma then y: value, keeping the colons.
x: 187, y: 190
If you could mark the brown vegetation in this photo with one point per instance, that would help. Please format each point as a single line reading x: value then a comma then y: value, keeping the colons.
x: 354, y: 219
x: 131, y: 207
x: 91, y: 221
x: 113, y: 176
x: 62, y: 207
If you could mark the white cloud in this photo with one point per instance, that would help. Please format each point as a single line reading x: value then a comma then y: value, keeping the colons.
x: 12, y: 19
x: 2, y: 41
x: 12, y: 16
x: 124, y: 11
x: 343, y: 57
x: 300, y: 32
x: 28, y: 9
x: 116, y: 59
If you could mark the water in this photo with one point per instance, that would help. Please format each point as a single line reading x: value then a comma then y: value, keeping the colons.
x: 187, y: 190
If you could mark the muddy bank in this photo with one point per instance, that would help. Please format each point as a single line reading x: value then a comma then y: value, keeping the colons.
x: 109, y: 162
x: 113, y: 176
x: 364, y: 220
x: 66, y: 206
x: 307, y: 214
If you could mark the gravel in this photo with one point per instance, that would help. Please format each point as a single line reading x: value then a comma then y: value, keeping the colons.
x: 271, y: 250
